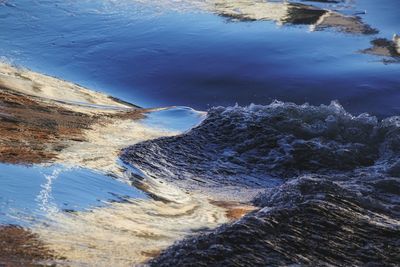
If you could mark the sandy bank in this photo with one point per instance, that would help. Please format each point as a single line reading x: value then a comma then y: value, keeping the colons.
x: 40, y: 115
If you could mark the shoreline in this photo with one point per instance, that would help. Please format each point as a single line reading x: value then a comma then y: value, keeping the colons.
x: 61, y: 123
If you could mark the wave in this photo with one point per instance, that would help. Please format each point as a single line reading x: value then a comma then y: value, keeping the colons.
x: 252, y: 145
x: 330, y: 180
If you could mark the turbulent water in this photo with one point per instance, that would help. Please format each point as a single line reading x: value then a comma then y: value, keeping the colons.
x: 249, y: 145
x: 338, y: 200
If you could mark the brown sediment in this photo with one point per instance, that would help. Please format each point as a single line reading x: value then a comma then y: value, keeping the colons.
x: 234, y: 210
x: 40, y: 115
x: 151, y: 253
x: 21, y: 247
x: 238, y: 212
x: 35, y: 131
x: 32, y: 132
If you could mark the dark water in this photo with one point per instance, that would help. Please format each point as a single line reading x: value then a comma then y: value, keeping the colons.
x: 160, y: 53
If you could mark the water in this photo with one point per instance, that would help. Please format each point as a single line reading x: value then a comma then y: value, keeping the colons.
x: 28, y: 193
x: 39, y: 190
x: 162, y: 53
x: 175, y: 119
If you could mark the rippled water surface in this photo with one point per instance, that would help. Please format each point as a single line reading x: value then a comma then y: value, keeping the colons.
x: 206, y: 53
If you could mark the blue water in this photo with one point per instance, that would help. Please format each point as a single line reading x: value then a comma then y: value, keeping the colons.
x: 28, y: 193
x: 162, y: 56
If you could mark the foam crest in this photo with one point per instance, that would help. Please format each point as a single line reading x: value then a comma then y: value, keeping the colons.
x: 257, y: 145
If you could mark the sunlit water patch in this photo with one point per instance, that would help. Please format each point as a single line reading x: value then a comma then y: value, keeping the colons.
x: 176, y: 119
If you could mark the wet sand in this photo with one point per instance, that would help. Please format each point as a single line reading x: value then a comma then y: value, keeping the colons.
x: 34, y: 132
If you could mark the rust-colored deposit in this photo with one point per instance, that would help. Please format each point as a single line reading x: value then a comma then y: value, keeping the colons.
x: 234, y: 210
x: 35, y: 131
x: 20, y: 247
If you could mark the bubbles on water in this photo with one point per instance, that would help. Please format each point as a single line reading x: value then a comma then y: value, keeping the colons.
x: 45, y: 198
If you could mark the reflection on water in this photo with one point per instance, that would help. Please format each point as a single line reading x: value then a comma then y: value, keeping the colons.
x: 163, y: 53
x: 386, y: 48
x: 292, y: 13
x: 282, y: 13
x: 320, y: 14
